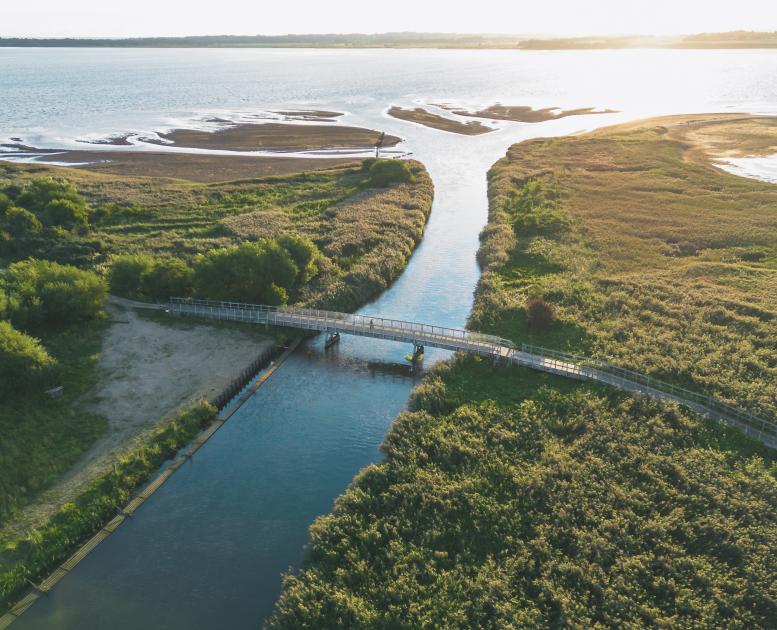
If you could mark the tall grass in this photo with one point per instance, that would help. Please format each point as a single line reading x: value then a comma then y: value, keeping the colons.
x: 511, y: 498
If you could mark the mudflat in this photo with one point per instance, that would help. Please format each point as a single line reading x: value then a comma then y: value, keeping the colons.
x: 523, y: 113
x: 192, y: 166
x: 424, y: 117
x: 277, y: 137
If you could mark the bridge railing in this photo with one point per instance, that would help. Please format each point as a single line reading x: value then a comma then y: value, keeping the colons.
x: 318, y: 319
x: 600, y: 370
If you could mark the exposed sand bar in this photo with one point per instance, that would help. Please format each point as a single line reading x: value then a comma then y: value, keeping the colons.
x: 320, y: 115
x: 435, y: 121
x: 277, y: 137
x: 196, y: 167
x: 522, y: 113
x: 734, y: 137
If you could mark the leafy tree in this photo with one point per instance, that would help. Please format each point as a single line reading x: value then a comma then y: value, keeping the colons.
x: 302, y: 250
x: 55, y: 202
x: 23, y: 360
x: 43, y: 293
x: 126, y: 272
x: 168, y: 277
x: 261, y: 272
x: 5, y: 203
x: 279, y: 266
x: 65, y: 213
x: 383, y: 173
x: 12, y: 191
x: 21, y: 222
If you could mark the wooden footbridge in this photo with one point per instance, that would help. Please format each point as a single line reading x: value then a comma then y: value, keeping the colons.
x: 499, y: 350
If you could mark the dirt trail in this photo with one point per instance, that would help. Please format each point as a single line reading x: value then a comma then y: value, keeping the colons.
x: 148, y: 370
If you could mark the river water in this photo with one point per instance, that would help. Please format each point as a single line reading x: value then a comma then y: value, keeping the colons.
x: 208, y: 549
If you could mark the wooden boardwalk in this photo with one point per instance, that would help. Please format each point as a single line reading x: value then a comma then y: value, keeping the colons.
x: 500, y: 350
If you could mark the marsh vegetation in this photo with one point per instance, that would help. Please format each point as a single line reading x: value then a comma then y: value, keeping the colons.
x: 515, y: 499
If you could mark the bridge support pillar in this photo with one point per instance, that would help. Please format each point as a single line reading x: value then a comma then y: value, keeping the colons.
x: 331, y: 339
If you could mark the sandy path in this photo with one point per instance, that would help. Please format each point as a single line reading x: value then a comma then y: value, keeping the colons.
x: 148, y: 371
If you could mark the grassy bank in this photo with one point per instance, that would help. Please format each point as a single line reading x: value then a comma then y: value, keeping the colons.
x: 44, y: 436
x: 364, y: 232
x: 363, y: 229
x: 34, y: 556
x: 510, y: 498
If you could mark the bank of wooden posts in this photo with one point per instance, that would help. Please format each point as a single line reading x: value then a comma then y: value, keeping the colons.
x: 237, y: 384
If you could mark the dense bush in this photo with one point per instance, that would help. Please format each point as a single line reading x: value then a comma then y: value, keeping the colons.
x: 23, y: 360
x: 126, y: 272
x: 261, y: 272
x: 168, y: 277
x: 65, y: 213
x: 49, y: 202
x: 43, y: 191
x: 539, y: 314
x: 386, y: 172
x: 561, y: 511
x: 21, y: 222
x: 265, y: 271
x: 302, y: 250
x: 45, y: 294
x: 511, y: 498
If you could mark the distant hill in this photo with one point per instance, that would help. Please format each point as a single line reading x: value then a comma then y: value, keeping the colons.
x: 734, y: 39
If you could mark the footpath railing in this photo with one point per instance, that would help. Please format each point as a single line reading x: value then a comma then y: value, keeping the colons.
x: 535, y: 357
x: 332, y: 321
x: 594, y: 369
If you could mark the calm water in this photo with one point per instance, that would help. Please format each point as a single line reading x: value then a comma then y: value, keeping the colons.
x: 208, y: 549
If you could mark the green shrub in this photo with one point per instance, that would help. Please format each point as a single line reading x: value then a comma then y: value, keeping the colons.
x: 302, y: 250
x: 261, y: 272
x: 42, y: 293
x: 383, y: 173
x: 367, y: 164
x: 23, y: 360
x: 5, y: 203
x: 126, y: 272
x: 21, y: 222
x: 42, y: 191
x: 539, y: 315
x: 65, y: 213
x: 12, y: 191
x: 168, y: 277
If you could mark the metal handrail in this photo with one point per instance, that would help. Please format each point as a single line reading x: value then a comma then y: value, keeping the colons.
x: 595, y: 368
x: 555, y: 361
x: 362, y: 322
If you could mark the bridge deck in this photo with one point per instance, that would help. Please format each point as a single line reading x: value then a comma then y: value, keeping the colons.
x: 563, y: 364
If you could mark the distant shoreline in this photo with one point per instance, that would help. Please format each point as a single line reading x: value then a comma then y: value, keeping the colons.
x: 705, y: 41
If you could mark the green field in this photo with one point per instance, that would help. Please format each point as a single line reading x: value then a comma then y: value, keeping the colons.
x: 513, y: 499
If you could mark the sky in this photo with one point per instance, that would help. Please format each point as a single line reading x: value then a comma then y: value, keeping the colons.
x: 138, y: 18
